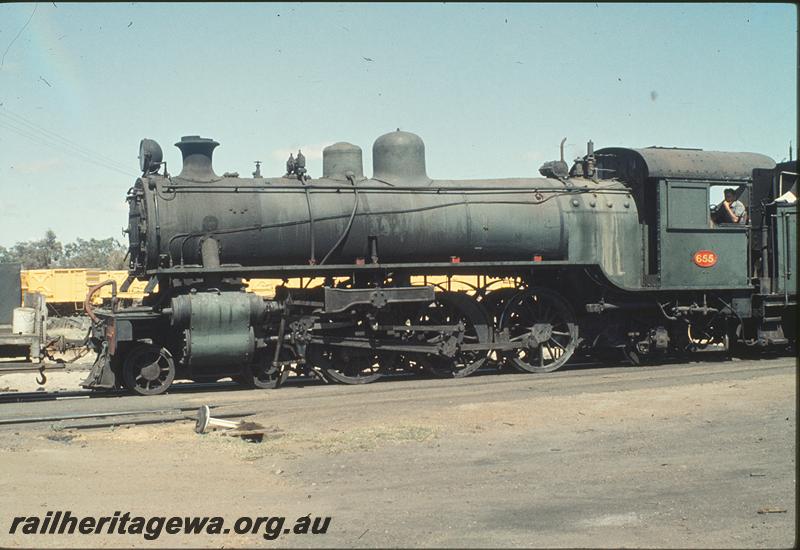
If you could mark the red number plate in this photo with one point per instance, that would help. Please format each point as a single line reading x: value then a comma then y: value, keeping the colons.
x: 705, y: 258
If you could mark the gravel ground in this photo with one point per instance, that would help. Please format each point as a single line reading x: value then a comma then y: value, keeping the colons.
x: 678, y: 456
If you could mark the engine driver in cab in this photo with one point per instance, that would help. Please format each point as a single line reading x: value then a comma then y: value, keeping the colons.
x: 730, y: 210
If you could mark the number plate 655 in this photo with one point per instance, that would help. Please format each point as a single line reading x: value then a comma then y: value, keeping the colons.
x: 705, y: 258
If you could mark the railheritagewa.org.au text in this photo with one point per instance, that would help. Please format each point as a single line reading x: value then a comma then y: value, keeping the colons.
x: 152, y: 527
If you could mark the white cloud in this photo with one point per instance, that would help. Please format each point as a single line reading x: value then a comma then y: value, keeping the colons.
x: 11, y: 66
x: 40, y: 166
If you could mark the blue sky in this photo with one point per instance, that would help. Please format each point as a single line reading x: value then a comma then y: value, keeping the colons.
x: 491, y: 88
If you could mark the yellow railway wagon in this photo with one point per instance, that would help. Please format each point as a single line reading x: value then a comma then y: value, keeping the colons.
x: 65, y: 289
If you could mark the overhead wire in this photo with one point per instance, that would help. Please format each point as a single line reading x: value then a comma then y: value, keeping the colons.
x: 42, y: 140
x: 55, y: 143
x: 18, y: 119
x: 39, y: 140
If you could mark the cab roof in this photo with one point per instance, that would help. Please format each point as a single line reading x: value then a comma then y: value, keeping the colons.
x: 664, y: 162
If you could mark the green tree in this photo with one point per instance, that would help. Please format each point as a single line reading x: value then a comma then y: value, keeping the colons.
x: 7, y: 256
x: 42, y: 254
x: 95, y: 254
x: 49, y: 253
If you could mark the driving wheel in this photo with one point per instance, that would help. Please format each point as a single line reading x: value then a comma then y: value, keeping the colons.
x: 452, y: 309
x: 262, y: 373
x: 350, y: 365
x: 545, y: 323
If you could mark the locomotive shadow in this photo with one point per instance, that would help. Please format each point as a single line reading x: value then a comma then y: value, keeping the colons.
x: 575, y: 365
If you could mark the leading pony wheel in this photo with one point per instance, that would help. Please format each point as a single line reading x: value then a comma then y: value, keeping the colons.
x: 148, y: 370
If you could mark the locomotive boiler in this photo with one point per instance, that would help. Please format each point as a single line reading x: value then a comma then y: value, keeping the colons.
x: 600, y: 255
x: 399, y: 215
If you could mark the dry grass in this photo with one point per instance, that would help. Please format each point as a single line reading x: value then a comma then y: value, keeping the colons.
x: 293, y: 445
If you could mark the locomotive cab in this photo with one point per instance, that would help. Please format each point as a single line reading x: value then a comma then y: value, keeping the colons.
x: 689, y: 247
x: 684, y: 246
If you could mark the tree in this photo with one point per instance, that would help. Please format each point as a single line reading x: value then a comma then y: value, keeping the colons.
x: 95, y: 254
x: 48, y: 253
x: 7, y: 256
x: 41, y: 254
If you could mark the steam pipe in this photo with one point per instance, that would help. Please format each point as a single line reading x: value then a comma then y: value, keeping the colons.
x: 87, y: 303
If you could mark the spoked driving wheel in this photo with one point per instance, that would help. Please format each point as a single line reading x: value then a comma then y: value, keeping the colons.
x: 467, y: 324
x: 495, y: 301
x: 350, y: 365
x: 262, y: 373
x: 148, y: 369
x: 545, y: 323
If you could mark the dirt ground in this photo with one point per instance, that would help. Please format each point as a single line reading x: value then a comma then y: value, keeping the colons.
x: 68, y: 379
x: 671, y: 456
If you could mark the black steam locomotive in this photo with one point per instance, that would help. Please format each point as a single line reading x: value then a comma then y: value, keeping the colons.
x: 617, y: 252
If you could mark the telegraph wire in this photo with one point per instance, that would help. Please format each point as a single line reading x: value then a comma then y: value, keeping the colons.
x: 49, y: 134
x: 83, y: 157
x: 55, y: 145
x: 19, y: 119
x: 37, y: 140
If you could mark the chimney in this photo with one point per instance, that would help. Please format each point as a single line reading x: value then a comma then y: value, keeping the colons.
x: 197, y: 154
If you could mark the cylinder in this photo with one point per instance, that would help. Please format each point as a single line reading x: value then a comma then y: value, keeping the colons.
x: 24, y: 321
x: 340, y: 158
x: 218, y: 326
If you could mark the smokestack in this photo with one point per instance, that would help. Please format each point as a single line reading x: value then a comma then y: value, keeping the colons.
x: 197, y: 155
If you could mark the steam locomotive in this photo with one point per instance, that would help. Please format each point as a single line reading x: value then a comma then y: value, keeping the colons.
x: 617, y: 253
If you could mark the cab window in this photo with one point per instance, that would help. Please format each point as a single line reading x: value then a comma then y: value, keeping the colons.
x: 728, y: 205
